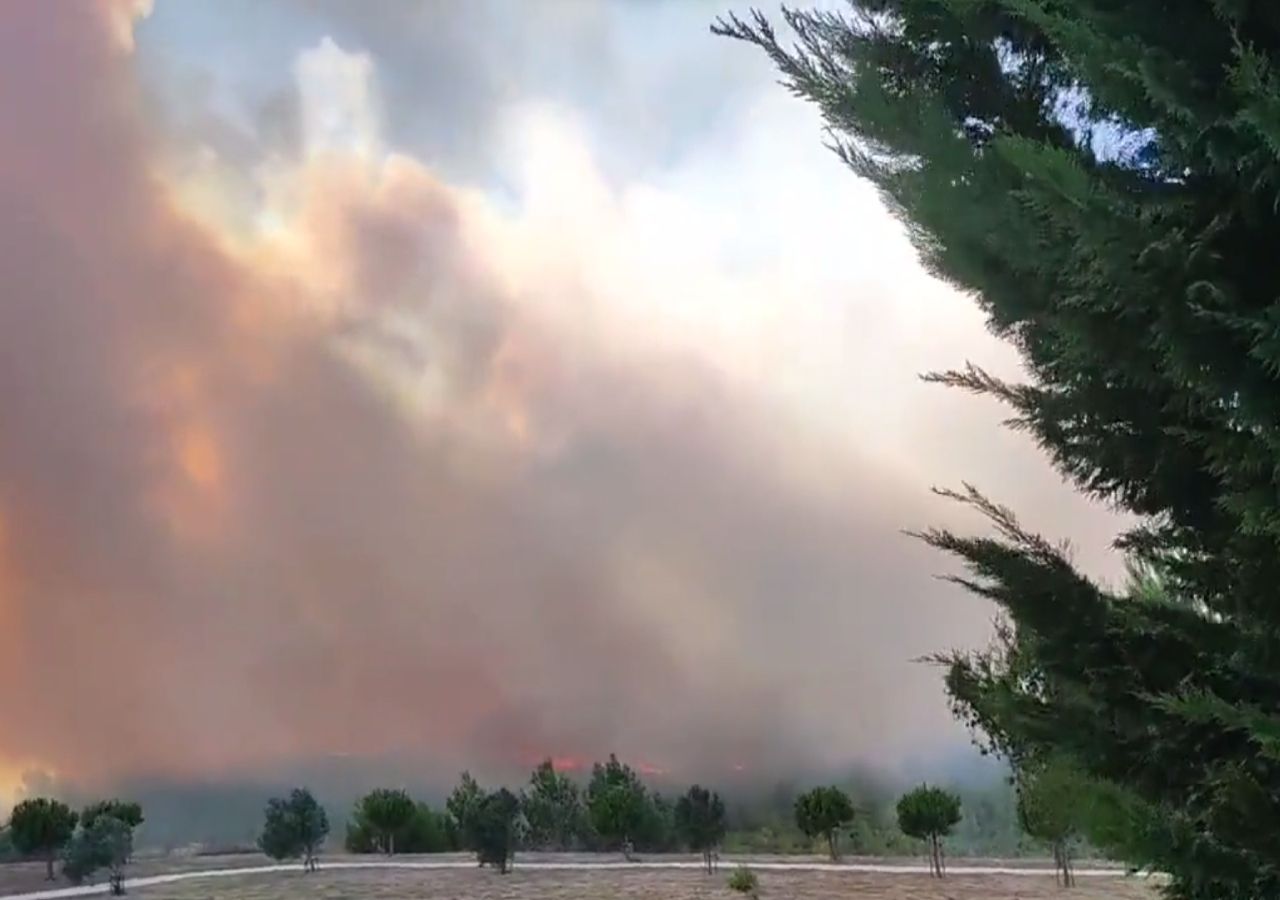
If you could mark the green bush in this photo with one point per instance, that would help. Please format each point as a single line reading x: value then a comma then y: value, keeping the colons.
x: 744, y: 881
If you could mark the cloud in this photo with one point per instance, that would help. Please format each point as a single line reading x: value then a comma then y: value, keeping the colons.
x: 308, y: 450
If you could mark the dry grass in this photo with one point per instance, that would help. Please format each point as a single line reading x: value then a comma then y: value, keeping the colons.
x: 529, y: 884
x: 19, y: 878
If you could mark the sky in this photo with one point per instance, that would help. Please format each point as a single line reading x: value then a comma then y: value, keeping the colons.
x: 464, y: 384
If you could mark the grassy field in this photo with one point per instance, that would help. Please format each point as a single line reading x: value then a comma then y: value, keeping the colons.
x: 530, y: 884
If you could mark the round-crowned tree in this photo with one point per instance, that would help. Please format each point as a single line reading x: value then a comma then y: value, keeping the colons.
x: 929, y: 813
x: 294, y: 826
x: 823, y: 812
x: 385, y: 814
x: 41, y: 827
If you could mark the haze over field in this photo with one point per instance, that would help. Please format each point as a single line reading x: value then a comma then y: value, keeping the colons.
x: 463, y: 384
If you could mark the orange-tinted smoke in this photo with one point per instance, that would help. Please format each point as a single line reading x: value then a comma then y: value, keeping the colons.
x: 231, y: 537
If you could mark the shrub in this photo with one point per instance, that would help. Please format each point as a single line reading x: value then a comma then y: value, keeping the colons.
x: 744, y: 881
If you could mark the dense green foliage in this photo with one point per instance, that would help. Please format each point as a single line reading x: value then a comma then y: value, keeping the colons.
x: 657, y: 826
x: 700, y: 822
x: 461, y: 806
x: 823, y: 812
x: 928, y: 814
x: 1105, y: 177
x: 41, y: 827
x: 294, y: 827
x: 105, y: 843
x: 495, y: 829
x: 428, y: 832
x: 382, y: 817
x: 389, y: 821
x: 617, y: 803
x: 553, y: 809
x: 126, y: 811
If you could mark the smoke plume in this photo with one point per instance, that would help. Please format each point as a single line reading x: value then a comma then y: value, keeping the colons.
x: 312, y: 444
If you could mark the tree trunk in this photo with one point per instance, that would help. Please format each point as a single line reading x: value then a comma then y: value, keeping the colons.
x: 831, y: 846
x: 48, y: 872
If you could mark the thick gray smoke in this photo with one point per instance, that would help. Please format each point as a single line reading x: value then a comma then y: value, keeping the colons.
x: 307, y: 450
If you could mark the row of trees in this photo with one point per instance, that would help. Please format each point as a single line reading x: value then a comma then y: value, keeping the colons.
x: 616, y: 811
x: 552, y: 812
x: 925, y: 813
x: 1055, y: 806
x: 98, y: 837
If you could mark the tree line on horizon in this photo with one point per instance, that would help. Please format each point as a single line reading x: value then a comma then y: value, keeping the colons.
x: 616, y: 812
x: 613, y: 811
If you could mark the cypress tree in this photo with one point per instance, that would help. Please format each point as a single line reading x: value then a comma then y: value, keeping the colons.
x: 1104, y: 177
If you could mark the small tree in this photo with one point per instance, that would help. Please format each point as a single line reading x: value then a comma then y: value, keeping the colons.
x: 461, y: 806
x: 822, y: 812
x: 617, y: 803
x: 495, y: 827
x: 552, y: 808
x: 1049, y: 799
x: 929, y: 813
x: 294, y: 827
x: 106, y: 843
x: 700, y: 821
x: 384, y: 814
x: 41, y: 827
